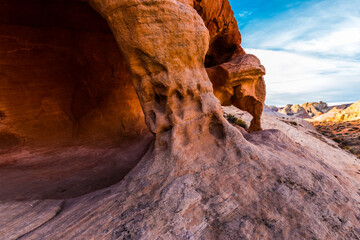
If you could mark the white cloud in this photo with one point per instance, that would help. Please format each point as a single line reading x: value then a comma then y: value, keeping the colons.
x: 330, y: 27
x: 244, y: 14
x: 310, y: 52
x: 295, y: 78
x: 344, y: 40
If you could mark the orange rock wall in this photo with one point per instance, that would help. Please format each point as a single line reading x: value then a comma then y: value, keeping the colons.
x: 62, y: 76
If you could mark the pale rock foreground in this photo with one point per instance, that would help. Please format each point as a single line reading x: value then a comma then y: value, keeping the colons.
x: 201, y: 178
x: 282, y: 183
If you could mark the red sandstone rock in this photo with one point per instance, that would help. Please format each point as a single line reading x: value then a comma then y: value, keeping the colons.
x: 237, y: 77
x: 239, y: 82
x: 202, y: 178
x: 66, y: 95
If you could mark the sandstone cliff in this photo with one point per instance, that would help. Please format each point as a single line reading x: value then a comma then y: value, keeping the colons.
x: 197, y: 176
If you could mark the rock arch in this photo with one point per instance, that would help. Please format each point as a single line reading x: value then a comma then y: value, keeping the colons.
x: 66, y: 95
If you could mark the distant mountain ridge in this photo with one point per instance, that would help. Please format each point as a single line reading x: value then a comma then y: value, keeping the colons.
x: 321, y: 111
x: 341, y: 113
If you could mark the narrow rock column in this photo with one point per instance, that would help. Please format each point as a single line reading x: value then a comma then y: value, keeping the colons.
x: 164, y: 44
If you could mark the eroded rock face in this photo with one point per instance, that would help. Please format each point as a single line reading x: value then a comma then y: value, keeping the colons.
x: 67, y: 102
x: 62, y: 77
x: 167, y: 66
x: 237, y: 77
x: 202, y: 178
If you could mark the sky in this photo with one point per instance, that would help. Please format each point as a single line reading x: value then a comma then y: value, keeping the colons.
x: 310, y: 48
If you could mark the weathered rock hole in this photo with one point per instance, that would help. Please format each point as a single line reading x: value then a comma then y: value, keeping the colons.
x: 179, y: 96
x: 161, y: 100
x: 8, y: 140
x: 152, y: 116
x: 190, y: 93
x: 220, y: 51
x: 166, y: 129
x: 199, y: 105
x: 66, y: 92
x: 2, y: 115
x: 216, y: 128
x: 160, y: 87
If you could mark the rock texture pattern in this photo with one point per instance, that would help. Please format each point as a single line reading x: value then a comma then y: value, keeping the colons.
x: 201, y: 178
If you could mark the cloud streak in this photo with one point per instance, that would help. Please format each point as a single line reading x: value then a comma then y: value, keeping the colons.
x: 295, y: 78
x: 311, y: 49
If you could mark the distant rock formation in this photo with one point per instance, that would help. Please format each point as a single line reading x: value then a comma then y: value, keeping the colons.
x: 306, y: 110
x: 341, y: 113
x: 271, y: 108
x: 342, y: 124
x: 294, y: 110
x: 315, y: 108
x: 320, y: 111
x: 350, y: 113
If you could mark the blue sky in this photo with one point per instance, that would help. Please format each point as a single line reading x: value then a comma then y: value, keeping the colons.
x: 310, y: 48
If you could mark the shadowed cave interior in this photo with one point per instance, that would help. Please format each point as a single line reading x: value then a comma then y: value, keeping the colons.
x: 70, y: 119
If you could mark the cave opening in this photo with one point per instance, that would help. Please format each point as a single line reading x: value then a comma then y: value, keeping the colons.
x: 70, y: 119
